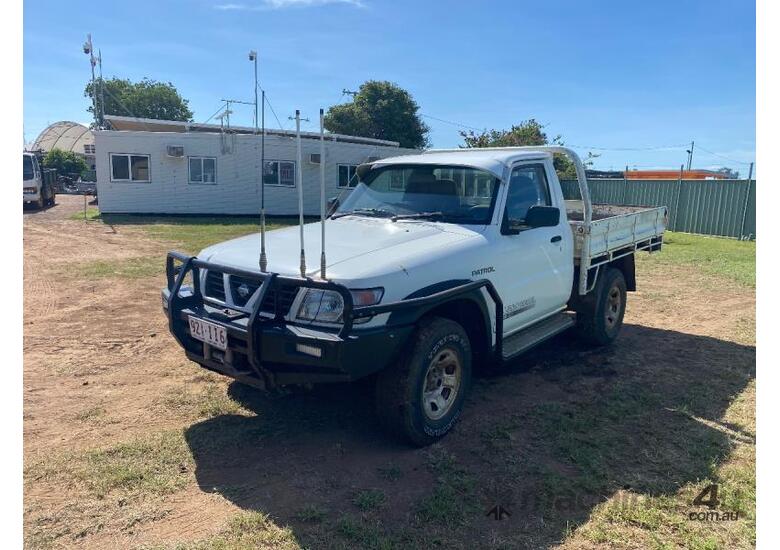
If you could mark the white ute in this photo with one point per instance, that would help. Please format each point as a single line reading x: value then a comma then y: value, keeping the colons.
x: 436, y: 263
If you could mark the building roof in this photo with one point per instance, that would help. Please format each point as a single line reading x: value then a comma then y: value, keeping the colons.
x: 65, y: 135
x: 493, y: 160
x: 674, y: 174
x: 125, y: 123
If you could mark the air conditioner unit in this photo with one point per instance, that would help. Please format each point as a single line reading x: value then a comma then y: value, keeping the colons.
x: 314, y: 158
x: 175, y: 151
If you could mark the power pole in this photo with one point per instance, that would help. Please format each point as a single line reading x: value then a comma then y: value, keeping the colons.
x: 87, y: 48
x: 690, y: 156
x: 102, y: 87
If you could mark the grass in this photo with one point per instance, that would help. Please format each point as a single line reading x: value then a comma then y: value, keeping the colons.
x: 92, y: 214
x: 208, y: 402
x: 246, y: 531
x: 130, y: 268
x: 728, y: 258
x: 153, y: 465
x: 193, y: 233
x: 369, y: 500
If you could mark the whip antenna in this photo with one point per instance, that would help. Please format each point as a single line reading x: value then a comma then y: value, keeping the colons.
x: 299, y: 182
x: 322, y: 192
x: 263, y: 258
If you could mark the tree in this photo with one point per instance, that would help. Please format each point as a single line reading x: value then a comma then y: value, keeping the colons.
x: 144, y: 99
x: 67, y: 163
x: 528, y: 132
x: 380, y: 110
x: 729, y: 173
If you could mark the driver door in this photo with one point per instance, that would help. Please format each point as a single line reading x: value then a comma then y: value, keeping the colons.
x: 533, y: 260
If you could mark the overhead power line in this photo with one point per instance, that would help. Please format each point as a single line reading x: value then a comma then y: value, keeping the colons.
x: 655, y: 148
x: 451, y: 122
x: 724, y: 157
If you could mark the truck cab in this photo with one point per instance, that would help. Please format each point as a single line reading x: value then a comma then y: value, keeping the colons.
x: 436, y: 263
x: 37, y: 187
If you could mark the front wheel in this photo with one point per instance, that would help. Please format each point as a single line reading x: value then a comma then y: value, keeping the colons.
x: 420, y: 398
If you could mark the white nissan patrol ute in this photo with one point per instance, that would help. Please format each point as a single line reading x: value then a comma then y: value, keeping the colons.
x: 436, y: 262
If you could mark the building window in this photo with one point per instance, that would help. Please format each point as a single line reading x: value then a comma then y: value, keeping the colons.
x: 347, y: 175
x: 89, y: 148
x: 133, y: 168
x: 279, y: 172
x: 203, y: 170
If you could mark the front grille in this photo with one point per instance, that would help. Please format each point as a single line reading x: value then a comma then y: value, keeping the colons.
x: 281, y: 296
x: 285, y: 296
x: 214, y: 285
x: 242, y: 289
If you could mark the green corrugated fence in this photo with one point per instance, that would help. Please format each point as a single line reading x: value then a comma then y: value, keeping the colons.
x: 708, y: 207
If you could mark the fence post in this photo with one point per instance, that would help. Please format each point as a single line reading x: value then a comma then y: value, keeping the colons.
x: 625, y: 187
x: 677, y: 200
x: 747, y: 201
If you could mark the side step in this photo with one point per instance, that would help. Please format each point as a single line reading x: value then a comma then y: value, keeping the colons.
x: 535, y: 334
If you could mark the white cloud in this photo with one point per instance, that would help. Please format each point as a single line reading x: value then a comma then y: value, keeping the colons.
x: 280, y: 4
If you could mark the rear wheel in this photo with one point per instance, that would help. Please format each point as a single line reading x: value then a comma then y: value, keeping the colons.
x: 600, y: 314
x: 420, y: 398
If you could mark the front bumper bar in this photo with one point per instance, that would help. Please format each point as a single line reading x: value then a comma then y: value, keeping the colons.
x: 267, y: 349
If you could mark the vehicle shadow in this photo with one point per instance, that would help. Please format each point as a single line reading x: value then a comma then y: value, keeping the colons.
x: 561, y: 430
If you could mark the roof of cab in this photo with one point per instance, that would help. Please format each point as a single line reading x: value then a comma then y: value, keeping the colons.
x: 491, y: 159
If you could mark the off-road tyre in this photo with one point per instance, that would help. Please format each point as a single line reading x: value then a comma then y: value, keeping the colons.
x: 600, y: 313
x: 439, y: 348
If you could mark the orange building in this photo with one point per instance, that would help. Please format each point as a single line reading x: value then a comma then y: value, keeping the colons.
x: 674, y: 174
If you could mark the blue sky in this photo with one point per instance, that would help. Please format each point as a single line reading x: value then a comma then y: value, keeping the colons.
x: 648, y: 77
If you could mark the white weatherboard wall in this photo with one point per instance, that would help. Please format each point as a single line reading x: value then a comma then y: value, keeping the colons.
x: 237, y: 189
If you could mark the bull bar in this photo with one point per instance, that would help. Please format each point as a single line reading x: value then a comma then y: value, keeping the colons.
x: 244, y: 322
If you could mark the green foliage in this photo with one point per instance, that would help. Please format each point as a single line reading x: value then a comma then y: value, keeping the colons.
x: 527, y: 133
x: 380, y: 110
x: 67, y: 163
x: 145, y: 99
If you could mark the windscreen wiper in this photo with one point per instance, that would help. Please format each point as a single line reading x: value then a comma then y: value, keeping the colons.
x: 373, y: 212
x: 418, y: 216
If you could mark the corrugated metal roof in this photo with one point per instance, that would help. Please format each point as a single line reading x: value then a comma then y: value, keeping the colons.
x: 125, y: 123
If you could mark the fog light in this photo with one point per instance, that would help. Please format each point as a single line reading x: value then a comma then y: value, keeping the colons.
x: 314, y: 351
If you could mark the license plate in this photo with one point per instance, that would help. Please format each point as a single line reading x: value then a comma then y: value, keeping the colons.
x: 213, y: 335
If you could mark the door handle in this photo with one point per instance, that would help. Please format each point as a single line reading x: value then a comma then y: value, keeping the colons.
x: 556, y: 239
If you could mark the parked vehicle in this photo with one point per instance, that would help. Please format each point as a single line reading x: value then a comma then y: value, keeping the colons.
x: 38, y: 183
x: 436, y: 263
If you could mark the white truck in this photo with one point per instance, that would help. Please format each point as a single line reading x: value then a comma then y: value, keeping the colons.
x: 436, y: 263
x: 38, y: 184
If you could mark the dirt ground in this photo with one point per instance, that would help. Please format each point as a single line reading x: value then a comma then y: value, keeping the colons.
x: 100, y: 369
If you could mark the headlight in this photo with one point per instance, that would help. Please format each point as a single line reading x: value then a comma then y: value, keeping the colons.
x: 327, y: 306
x: 30, y: 189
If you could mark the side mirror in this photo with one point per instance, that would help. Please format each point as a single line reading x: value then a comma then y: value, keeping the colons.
x: 363, y: 169
x: 333, y: 204
x: 543, y: 216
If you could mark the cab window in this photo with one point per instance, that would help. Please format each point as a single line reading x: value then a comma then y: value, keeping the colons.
x: 527, y: 187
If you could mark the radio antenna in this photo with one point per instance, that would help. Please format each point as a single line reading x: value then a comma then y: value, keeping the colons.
x: 263, y: 257
x: 299, y: 183
x: 322, y: 192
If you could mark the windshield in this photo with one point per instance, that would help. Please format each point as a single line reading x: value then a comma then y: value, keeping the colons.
x: 27, y: 167
x: 453, y: 194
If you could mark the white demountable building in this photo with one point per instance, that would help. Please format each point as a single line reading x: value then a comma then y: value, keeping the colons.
x: 168, y: 167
